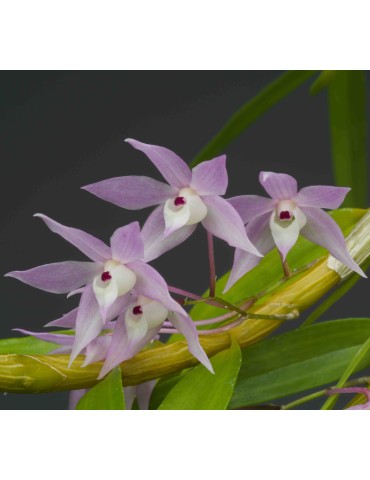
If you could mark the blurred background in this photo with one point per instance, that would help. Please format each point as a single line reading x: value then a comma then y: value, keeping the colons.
x: 62, y: 130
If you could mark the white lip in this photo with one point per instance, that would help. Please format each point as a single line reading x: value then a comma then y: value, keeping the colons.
x: 154, y: 314
x: 122, y: 281
x: 193, y: 211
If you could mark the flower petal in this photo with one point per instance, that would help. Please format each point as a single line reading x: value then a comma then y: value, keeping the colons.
x: 223, y: 221
x: 184, y: 324
x: 322, y: 229
x: 155, y: 244
x: 89, y: 322
x: 97, y: 349
x: 75, y: 396
x: 258, y: 230
x: 321, y: 196
x: 132, y: 192
x: 92, y: 247
x: 61, y: 339
x: 67, y: 321
x: 171, y: 166
x: 122, y: 348
x: 61, y: 277
x: 285, y: 234
x: 127, y: 244
x: 151, y: 284
x: 143, y: 394
x: 279, y: 186
x: 250, y: 206
x: 210, y: 178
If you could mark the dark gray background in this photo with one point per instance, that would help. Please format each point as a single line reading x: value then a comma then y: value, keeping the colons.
x: 62, y: 130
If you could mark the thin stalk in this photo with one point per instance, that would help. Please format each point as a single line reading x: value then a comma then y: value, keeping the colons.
x: 356, y: 359
x: 286, y: 268
x: 212, y: 266
x: 303, y: 400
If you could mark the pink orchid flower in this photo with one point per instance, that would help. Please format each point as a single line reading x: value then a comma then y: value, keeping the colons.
x: 280, y: 219
x: 116, y: 277
x: 189, y: 198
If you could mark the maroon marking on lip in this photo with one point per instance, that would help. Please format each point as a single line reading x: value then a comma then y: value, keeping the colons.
x: 105, y: 276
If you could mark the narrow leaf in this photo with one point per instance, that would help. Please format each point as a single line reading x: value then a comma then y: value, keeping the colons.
x: 299, y: 360
x: 26, y: 346
x: 200, y: 390
x: 322, y: 81
x: 106, y: 395
x: 251, y: 111
x: 351, y: 367
x: 347, y: 112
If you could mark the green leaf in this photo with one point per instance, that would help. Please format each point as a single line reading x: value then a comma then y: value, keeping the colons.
x: 201, y: 390
x: 299, y: 360
x: 106, y: 395
x: 322, y: 81
x: 251, y: 111
x: 347, y: 112
x: 269, y: 272
x: 26, y: 346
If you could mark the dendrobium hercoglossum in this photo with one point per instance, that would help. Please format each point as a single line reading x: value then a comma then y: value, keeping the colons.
x: 280, y: 219
x: 116, y: 277
x: 190, y: 197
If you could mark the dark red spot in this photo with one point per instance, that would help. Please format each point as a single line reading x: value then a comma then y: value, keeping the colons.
x: 285, y: 215
x: 137, y: 310
x: 179, y: 201
x: 105, y: 276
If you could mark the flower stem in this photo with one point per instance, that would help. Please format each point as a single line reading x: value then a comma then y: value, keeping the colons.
x: 286, y: 268
x: 305, y: 399
x: 212, y: 266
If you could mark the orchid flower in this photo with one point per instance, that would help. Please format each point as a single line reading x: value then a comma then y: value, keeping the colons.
x: 138, y: 325
x: 115, y: 276
x: 280, y: 219
x: 190, y: 197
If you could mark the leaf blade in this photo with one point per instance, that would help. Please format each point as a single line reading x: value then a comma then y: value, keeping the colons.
x: 347, y: 117
x: 106, y: 395
x: 251, y: 111
x: 200, y: 390
x: 299, y: 360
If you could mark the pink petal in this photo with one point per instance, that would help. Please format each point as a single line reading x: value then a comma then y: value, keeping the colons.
x: 127, y: 244
x: 132, y: 192
x: 184, y: 324
x: 61, y: 339
x: 250, y: 206
x: 67, y: 321
x: 121, y: 348
x: 259, y: 232
x: 143, y: 394
x: 61, y: 277
x: 223, y: 221
x: 129, y: 394
x: 173, y: 169
x: 322, y: 229
x: 210, y: 178
x: 152, y: 285
x: 155, y: 244
x: 92, y: 247
x: 97, y: 350
x: 75, y: 396
x: 279, y: 186
x: 89, y: 322
x: 321, y: 196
